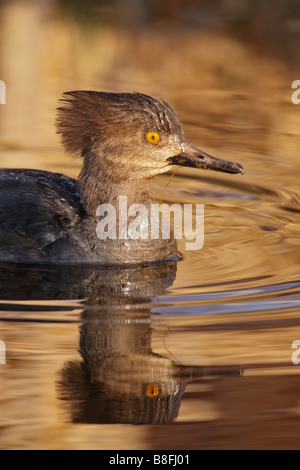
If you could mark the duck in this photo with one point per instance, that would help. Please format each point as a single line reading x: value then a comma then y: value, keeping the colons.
x: 124, y: 141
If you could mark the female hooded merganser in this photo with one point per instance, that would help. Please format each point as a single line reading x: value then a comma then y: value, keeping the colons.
x: 125, y: 139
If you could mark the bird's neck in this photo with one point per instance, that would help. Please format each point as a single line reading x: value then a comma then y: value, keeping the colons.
x: 103, y: 186
x: 122, y: 223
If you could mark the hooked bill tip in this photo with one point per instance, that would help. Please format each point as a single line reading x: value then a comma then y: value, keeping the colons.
x: 242, y: 171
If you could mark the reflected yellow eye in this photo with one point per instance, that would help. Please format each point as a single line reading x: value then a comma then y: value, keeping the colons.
x: 152, y: 390
x: 153, y: 137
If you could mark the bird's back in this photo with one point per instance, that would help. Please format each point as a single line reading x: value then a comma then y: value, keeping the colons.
x: 36, y: 209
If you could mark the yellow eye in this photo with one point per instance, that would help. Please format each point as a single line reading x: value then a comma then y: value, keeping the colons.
x: 153, y: 137
x: 152, y: 390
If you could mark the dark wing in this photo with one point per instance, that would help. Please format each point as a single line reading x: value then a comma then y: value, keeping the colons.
x: 36, y: 208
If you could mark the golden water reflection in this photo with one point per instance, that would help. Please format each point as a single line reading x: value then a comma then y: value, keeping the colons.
x: 234, y: 304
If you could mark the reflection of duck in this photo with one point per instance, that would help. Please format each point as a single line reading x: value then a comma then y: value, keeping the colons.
x: 125, y: 140
x: 118, y: 379
x: 100, y: 285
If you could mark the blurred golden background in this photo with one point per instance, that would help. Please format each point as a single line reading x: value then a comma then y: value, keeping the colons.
x: 226, y: 66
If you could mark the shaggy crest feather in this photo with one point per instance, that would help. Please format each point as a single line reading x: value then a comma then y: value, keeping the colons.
x: 85, y: 117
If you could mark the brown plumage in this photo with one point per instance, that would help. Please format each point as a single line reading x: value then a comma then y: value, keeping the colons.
x: 88, y: 119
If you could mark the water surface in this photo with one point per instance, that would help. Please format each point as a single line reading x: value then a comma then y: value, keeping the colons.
x: 202, y: 345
